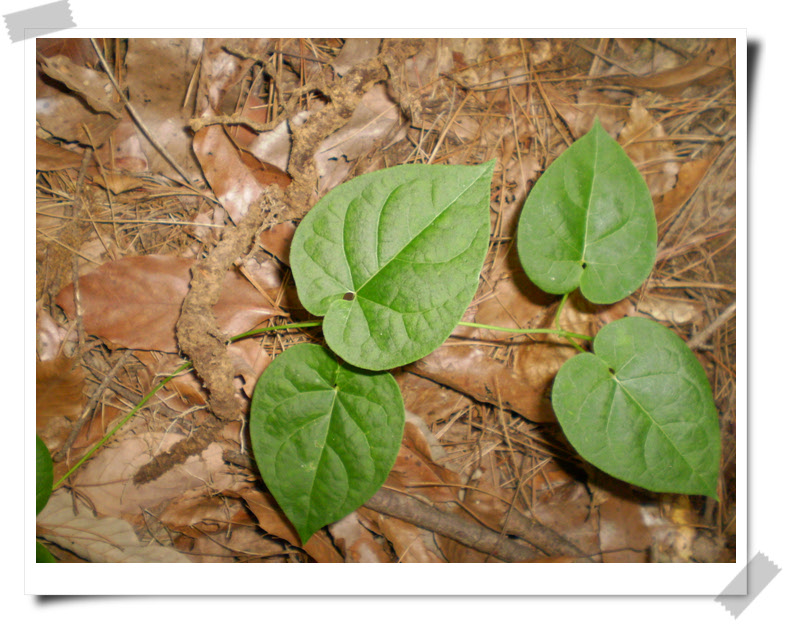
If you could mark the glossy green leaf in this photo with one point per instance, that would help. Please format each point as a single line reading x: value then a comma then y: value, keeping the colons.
x: 589, y: 223
x: 391, y: 259
x: 325, y: 435
x: 44, y: 474
x: 641, y: 409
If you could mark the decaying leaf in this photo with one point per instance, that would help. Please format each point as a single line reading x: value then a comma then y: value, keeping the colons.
x: 59, y: 385
x: 50, y: 157
x: 91, y: 85
x: 715, y: 62
x: 97, y: 539
x: 135, y: 301
x: 655, y: 159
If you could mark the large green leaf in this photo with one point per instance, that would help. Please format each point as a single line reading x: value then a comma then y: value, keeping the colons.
x: 325, y: 435
x: 641, y: 409
x: 391, y: 259
x: 44, y: 474
x: 589, y: 223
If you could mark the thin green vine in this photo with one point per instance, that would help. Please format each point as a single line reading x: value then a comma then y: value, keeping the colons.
x: 289, y: 326
x: 558, y: 331
x: 160, y: 385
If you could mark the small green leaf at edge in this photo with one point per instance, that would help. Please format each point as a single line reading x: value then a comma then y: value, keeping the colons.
x: 325, y: 435
x: 44, y: 475
x: 43, y: 555
x: 392, y: 258
x: 641, y: 409
x: 589, y: 223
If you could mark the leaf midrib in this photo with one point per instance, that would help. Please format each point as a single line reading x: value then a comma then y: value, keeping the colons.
x: 426, y: 226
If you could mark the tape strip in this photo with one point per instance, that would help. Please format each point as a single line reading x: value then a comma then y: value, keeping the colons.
x: 738, y: 595
x: 40, y: 20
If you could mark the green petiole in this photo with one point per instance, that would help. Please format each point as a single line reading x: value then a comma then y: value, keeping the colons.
x: 559, y: 332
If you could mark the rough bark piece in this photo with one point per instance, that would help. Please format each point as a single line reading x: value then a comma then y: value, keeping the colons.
x: 198, y: 333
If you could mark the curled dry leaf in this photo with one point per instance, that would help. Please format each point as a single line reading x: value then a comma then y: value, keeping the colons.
x: 690, y: 175
x: 716, y: 62
x: 135, y: 302
x: 94, y: 87
x: 271, y: 519
x: 51, y: 157
x: 65, y: 116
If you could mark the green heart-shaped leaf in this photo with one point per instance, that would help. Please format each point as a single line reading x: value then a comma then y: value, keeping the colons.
x: 589, y: 223
x: 391, y: 259
x: 325, y: 435
x: 44, y: 475
x: 641, y: 409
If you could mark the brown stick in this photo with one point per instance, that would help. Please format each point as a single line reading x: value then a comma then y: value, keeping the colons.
x: 478, y: 537
x: 471, y: 534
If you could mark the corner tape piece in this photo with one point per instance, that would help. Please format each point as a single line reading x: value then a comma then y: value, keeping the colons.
x: 760, y: 572
x: 40, y: 20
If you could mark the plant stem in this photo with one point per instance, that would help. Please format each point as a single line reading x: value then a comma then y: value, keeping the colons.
x: 286, y: 326
x: 559, y: 332
x: 160, y: 385
x: 557, y: 321
x: 122, y: 422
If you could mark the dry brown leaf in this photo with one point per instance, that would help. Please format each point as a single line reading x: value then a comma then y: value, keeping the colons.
x: 272, y: 520
x: 670, y: 309
x: 125, y: 153
x: 49, y: 336
x: 108, y: 478
x: 410, y: 543
x: 97, y: 539
x: 195, y: 513
x: 623, y: 534
x: 51, y: 157
x: 353, y: 52
x: 135, y: 302
x: 265, y: 173
x: 716, y: 62
x: 429, y: 400
x: 59, y: 385
x: 277, y: 240
x: 414, y: 469
x: 356, y: 542
x: 158, y: 73
x: 93, y: 86
x: 79, y: 51
x: 689, y: 177
x: 655, y: 159
x: 66, y: 117
x: 117, y: 182
x: 376, y: 118
x: 232, y: 182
